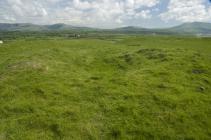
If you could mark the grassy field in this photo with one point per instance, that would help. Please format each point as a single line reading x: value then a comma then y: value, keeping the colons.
x: 137, y: 87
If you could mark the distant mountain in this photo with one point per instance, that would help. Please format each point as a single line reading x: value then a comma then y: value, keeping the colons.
x: 186, y: 28
x: 20, y: 27
x: 65, y: 27
x: 59, y: 26
x: 130, y: 28
x: 33, y: 27
x: 192, y: 28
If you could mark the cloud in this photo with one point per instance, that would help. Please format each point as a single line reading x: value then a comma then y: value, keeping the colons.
x: 103, y: 13
x: 26, y: 8
x: 187, y: 11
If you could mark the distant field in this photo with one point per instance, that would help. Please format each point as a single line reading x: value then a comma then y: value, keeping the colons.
x: 128, y: 87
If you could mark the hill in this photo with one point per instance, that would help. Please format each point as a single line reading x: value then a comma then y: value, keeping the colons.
x: 193, y: 28
x: 33, y: 27
x: 186, y: 28
x: 20, y: 27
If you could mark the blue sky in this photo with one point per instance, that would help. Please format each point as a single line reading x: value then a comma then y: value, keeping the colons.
x: 106, y: 13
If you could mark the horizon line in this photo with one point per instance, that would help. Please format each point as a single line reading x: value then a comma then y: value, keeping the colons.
x: 79, y: 26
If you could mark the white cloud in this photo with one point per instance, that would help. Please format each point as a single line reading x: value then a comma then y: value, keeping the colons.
x: 26, y: 8
x: 187, y: 11
x: 144, y: 14
x: 107, y: 12
x: 101, y: 13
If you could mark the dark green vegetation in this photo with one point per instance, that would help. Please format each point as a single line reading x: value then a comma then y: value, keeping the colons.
x: 122, y: 88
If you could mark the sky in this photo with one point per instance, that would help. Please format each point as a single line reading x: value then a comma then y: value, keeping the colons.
x: 106, y: 13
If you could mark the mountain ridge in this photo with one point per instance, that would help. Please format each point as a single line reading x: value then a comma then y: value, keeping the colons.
x: 185, y: 28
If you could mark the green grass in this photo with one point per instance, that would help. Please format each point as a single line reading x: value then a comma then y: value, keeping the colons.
x: 121, y: 88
